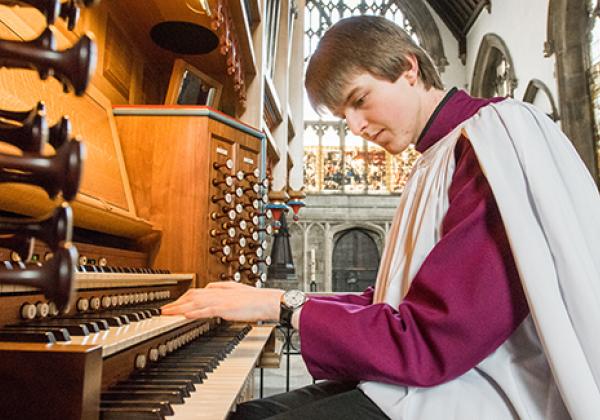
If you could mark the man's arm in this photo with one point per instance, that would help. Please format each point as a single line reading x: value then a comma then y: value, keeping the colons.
x: 364, y: 299
x: 464, y: 302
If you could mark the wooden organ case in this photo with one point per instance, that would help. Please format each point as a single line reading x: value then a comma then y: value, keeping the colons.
x: 171, y: 198
x: 207, y: 193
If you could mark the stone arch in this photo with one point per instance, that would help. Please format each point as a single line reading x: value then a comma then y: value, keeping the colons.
x: 567, y: 39
x: 377, y: 232
x: 422, y: 21
x: 491, y: 50
x: 355, y: 260
x: 533, y: 88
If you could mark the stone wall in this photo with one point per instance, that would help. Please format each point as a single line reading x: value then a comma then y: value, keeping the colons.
x: 323, y: 217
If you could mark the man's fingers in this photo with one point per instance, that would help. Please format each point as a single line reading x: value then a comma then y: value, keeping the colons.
x: 174, y: 309
x: 200, y: 313
x: 191, y: 295
x: 182, y: 299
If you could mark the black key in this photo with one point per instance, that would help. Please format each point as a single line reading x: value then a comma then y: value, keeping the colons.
x: 213, y: 362
x: 194, y: 377
x: 28, y: 336
x: 100, y: 322
x: 143, y: 315
x: 215, y: 355
x: 189, y: 385
x: 182, y: 389
x: 173, y: 397
x: 91, y: 327
x: 179, y: 369
x: 175, y: 358
x: 164, y: 406
x: 199, y: 347
x: 123, y: 317
x: 60, y: 334
x: 131, y: 413
x: 198, y: 366
x: 133, y: 316
x: 112, y: 321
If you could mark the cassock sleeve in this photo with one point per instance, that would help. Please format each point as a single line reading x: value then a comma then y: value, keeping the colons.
x: 464, y: 302
x: 365, y: 298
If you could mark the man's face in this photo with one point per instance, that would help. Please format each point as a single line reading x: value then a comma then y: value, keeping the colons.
x: 383, y: 112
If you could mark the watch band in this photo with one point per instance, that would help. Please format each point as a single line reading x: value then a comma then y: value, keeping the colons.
x: 289, y: 302
x: 285, y: 316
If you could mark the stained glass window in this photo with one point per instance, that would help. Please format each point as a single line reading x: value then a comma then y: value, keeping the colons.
x: 335, y: 161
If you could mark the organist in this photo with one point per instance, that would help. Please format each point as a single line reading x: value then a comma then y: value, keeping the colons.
x: 487, y: 296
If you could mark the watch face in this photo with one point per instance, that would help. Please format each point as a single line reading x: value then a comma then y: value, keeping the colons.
x: 294, y: 298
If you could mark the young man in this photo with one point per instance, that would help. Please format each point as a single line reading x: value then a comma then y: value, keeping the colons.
x: 488, y: 294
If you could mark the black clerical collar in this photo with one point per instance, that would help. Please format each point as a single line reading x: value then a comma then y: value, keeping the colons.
x: 437, y: 110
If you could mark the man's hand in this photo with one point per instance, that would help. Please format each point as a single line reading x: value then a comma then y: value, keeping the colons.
x: 228, y: 300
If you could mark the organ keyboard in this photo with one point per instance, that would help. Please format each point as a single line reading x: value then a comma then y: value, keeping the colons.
x: 113, y: 356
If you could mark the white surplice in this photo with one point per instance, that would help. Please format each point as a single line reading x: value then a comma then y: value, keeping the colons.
x: 550, y: 366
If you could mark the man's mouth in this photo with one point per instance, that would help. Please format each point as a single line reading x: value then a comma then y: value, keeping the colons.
x: 374, y: 136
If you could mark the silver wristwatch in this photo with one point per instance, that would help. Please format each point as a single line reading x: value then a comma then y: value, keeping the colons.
x: 290, y: 301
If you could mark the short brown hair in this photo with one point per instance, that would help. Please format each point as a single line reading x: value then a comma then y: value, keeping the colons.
x: 362, y: 43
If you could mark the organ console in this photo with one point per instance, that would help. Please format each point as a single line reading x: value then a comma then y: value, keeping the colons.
x: 171, y: 198
x: 117, y: 357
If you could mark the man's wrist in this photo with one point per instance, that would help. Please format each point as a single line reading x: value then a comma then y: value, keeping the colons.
x: 275, y: 306
x: 291, y: 302
x: 296, y: 318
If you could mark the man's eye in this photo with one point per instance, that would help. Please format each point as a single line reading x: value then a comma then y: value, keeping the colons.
x: 359, y: 101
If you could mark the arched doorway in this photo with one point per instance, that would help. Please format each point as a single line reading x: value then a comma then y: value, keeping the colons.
x: 537, y: 93
x: 494, y: 73
x: 355, y: 261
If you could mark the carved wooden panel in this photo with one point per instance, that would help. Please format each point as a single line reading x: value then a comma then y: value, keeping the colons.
x: 169, y: 159
x: 118, y: 63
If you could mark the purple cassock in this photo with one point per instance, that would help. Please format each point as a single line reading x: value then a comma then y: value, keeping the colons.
x: 464, y: 302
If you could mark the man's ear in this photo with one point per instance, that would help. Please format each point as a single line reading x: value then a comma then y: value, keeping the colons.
x: 412, y: 73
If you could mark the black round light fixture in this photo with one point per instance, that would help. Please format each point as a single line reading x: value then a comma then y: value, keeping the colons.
x: 184, y: 37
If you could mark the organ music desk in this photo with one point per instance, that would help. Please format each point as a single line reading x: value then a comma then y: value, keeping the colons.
x: 162, y: 365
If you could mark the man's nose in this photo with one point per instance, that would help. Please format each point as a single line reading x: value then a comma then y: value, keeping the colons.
x: 356, y: 123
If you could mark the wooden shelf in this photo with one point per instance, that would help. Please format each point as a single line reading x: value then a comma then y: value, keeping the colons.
x: 89, y: 213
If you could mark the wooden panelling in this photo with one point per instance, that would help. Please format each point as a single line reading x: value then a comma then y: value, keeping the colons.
x: 169, y: 161
x: 74, y: 393
x: 117, y: 53
x: 166, y: 164
x: 154, y: 85
x: 137, y: 18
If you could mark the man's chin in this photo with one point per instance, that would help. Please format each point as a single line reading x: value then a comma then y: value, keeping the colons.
x: 394, y: 149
